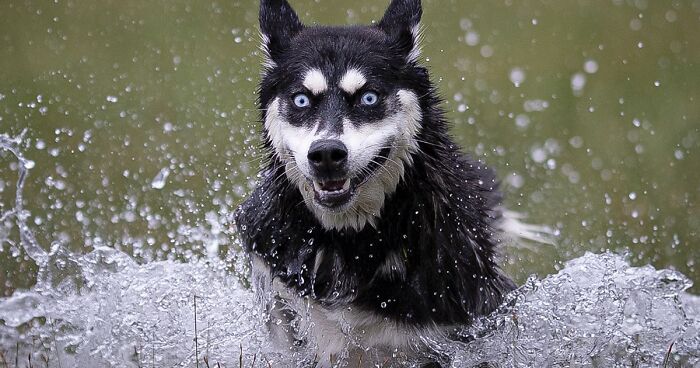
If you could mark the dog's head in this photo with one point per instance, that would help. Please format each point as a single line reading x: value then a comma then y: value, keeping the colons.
x: 341, y: 107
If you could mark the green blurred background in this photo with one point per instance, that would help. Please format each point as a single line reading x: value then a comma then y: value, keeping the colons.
x: 590, y: 111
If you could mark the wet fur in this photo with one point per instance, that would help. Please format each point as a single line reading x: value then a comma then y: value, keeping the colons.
x: 426, y: 263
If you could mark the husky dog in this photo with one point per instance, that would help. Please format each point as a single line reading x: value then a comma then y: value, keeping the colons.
x: 369, y: 228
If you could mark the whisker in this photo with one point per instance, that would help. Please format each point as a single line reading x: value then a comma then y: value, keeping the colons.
x: 381, y: 166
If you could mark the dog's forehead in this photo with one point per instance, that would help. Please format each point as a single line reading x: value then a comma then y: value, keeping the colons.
x: 332, y: 54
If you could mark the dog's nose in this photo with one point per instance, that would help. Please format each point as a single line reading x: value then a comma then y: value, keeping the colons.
x: 328, y: 155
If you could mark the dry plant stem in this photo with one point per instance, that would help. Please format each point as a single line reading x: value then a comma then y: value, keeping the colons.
x: 667, y: 359
x: 153, y: 353
x: 196, y: 348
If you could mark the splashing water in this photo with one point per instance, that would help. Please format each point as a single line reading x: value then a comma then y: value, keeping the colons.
x: 159, y: 181
x: 598, y: 311
x: 27, y: 239
x: 105, y: 309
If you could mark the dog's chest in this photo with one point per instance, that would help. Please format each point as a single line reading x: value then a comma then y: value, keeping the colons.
x: 334, y: 332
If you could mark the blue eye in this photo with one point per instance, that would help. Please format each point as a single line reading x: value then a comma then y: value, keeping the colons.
x: 370, y: 99
x: 302, y: 100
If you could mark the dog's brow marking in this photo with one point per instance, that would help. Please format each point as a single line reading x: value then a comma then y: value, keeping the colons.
x: 315, y: 82
x: 352, y: 81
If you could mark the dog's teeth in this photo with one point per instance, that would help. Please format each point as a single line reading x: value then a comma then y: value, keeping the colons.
x: 317, y: 186
x: 346, y: 186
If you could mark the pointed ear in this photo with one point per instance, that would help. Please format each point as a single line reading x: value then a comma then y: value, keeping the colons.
x: 278, y: 25
x: 401, y: 23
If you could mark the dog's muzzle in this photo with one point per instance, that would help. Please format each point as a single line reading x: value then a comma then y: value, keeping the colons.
x: 328, y: 159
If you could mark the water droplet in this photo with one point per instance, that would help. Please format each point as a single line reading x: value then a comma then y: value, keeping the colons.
x: 535, y: 105
x: 517, y: 76
x: 486, y: 51
x: 471, y: 38
x: 578, y: 81
x: 538, y: 154
x: 522, y: 121
x: 159, y: 181
x: 671, y: 16
x: 636, y: 24
x: 590, y: 66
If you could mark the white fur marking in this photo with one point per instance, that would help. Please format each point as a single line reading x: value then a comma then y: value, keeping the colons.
x: 290, y: 142
x: 315, y: 81
x: 352, y: 81
x: 268, y: 64
x: 364, y: 143
x: 333, y: 331
x: 417, y: 34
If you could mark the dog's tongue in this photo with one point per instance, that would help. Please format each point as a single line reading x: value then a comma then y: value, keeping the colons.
x: 333, y: 185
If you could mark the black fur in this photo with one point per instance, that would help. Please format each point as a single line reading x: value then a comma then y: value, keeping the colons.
x: 279, y: 23
x: 399, y: 21
x: 440, y: 220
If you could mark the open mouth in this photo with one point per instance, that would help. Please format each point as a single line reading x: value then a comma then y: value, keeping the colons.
x: 333, y: 193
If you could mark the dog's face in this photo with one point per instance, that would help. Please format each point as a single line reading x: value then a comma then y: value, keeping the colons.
x: 341, y: 108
